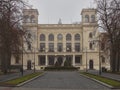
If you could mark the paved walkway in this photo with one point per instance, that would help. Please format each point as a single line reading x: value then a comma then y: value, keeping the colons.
x: 13, y: 75
x: 63, y: 80
x: 108, y: 75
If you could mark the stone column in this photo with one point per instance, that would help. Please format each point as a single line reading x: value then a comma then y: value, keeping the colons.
x: 73, y: 62
x: 46, y: 61
x: 64, y: 58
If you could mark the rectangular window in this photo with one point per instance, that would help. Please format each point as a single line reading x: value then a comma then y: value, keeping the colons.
x: 77, y: 47
x: 51, y: 60
x: 42, y: 47
x: 51, y: 47
x: 41, y: 60
x: 60, y: 47
x: 68, y: 47
x: 78, y: 59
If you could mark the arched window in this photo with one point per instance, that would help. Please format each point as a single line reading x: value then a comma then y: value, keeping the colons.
x: 68, y: 37
x: 32, y: 18
x: 91, y: 46
x: 51, y: 37
x: 42, y: 37
x: 29, y: 36
x: 26, y: 18
x: 77, y: 37
x: 59, y: 37
x: 93, y: 18
x: 29, y: 47
x: 86, y: 18
x: 90, y: 35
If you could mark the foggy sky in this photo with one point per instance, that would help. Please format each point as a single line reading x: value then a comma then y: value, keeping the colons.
x: 68, y: 10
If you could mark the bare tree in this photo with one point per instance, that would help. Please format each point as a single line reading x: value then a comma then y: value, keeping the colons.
x: 109, y: 21
x: 11, y: 30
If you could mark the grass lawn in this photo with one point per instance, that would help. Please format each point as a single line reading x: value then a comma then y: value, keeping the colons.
x: 21, y: 79
x: 108, y: 81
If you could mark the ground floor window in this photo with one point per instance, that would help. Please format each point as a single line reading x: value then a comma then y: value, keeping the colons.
x: 41, y: 60
x: 51, y: 60
x: 78, y: 59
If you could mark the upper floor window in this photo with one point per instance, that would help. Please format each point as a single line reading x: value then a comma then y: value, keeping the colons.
x: 93, y: 18
x: 90, y: 35
x: 26, y: 18
x: 29, y: 47
x: 60, y: 47
x: 68, y: 47
x: 86, y: 18
x: 59, y: 37
x: 90, y: 45
x: 68, y: 37
x: 42, y: 37
x: 51, y: 47
x: 51, y: 37
x: 77, y: 47
x: 77, y: 37
x: 42, y: 46
x: 102, y: 46
x: 29, y: 36
x: 32, y: 18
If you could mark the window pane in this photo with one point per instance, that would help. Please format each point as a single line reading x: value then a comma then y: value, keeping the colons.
x: 42, y: 60
x: 51, y: 47
x: 42, y: 37
x: 60, y: 37
x: 51, y: 37
x: 77, y: 37
x: 68, y: 37
x: 42, y: 46
x: 86, y: 18
x: 68, y: 47
x: 77, y: 59
x: 60, y: 47
x: 77, y: 47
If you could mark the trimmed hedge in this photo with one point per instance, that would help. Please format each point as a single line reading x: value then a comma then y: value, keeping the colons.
x: 55, y: 68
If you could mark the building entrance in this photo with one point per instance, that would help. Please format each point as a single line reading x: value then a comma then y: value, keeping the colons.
x: 59, y: 61
x: 29, y: 65
x: 91, y: 64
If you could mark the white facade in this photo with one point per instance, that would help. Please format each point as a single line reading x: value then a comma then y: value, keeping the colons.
x: 60, y: 44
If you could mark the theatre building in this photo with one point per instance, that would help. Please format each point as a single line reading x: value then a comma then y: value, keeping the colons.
x: 60, y: 44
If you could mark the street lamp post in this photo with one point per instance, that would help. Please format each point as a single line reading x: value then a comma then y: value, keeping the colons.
x: 99, y: 54
x: 86, y: 59
x: 99, y: 57
x: 34, y: 60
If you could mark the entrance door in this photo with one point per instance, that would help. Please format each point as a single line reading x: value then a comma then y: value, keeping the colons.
x: 29, y: 65
x: 91, y: 64
x: 59, y: 61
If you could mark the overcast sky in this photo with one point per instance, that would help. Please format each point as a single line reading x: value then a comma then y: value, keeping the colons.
x: 68, y: 10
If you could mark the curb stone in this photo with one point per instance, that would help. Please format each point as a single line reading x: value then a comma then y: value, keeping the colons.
x: 30, y: 80
x: 109, y: 86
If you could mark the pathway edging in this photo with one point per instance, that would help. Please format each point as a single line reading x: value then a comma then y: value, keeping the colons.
x: 109, y: 86
x: 30, y: 80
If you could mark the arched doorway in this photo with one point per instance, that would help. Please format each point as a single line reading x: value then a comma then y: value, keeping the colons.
x: 29, y: 65
x: 91, y: 64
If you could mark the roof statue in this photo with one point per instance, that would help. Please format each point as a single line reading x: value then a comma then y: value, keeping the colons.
x: 60, y: 21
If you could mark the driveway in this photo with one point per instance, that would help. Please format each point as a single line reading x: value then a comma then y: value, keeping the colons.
x: 61, y: 81
x: 64, y: 80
